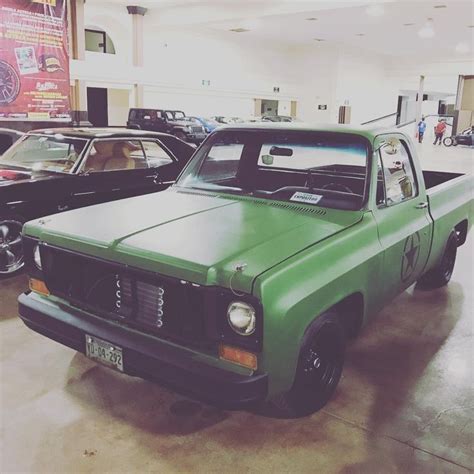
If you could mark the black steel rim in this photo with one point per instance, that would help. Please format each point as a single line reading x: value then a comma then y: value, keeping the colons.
x: 11, y: 248
x: 9, y: 83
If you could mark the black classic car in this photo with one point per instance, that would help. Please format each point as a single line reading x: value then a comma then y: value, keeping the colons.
x: 49, y: 171
x: 7, y: 138
x: 465, y: 138
x: 167, y: 121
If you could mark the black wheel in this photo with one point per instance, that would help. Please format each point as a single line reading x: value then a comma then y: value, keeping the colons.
x: 441, y: 274
x: 9, y: 83
x: 11, y: 248
x: 448, y: 141
x: 318, y: 371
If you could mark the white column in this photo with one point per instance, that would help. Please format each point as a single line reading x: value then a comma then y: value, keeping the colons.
x: 419, y: 102
x: 137, y: 33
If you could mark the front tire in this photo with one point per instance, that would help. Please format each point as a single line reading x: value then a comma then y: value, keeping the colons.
x: 11, y: 247
x: 448, y: 141
x: 440, y: 275
x: 318, y: 371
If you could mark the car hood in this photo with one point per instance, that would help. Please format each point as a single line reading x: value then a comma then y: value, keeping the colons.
x: 197, y: 237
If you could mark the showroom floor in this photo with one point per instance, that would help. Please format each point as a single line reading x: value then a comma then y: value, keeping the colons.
x: 405, y: 403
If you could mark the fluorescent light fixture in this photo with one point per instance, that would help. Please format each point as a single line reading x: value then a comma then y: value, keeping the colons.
x: 427, y: 31
x: 360, y: 34
x: 375, y: 10
x: 319, y: 39
x: 462, y: 48
x: 408, y: 24
x: 440, y: 6
x: 239, y: 30
x: 311, y: 19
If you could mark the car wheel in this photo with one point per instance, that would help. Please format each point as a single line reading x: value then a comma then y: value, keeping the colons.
x: 318, y: 371
x: 11, y: 247
x: 440, y: 275
x: 448, y: 141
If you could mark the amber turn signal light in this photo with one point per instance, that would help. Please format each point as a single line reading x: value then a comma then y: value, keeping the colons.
x: 238, y: 356
x: 39, y: 286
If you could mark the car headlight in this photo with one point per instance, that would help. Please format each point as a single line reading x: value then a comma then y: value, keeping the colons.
x: 37, y: 257
x: 241, y: 317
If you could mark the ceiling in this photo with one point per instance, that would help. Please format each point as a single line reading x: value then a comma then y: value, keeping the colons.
x: 385, y: 26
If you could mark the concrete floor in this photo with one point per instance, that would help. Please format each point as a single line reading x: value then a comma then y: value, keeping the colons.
x: 405, y: 402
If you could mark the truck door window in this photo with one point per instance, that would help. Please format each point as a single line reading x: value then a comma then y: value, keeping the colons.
x: 399, y: 178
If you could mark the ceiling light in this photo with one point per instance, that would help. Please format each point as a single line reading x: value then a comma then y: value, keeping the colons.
x: 311, y: 19
x: 408, y: 24
x: 440, y: 6
x: 360, y: 34
x: 427, y: 31
x: 239, y: 30
x: 375, y: 10
x: 462, y: 48
x: 319, y: 39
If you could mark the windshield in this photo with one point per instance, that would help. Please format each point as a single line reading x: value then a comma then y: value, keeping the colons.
x: 178, y: 115
x: 327, y: 169
x: 55, y: 153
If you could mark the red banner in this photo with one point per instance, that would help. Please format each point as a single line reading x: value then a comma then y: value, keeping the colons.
x: 34, y: 62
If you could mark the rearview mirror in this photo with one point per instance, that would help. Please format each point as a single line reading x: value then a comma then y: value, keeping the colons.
x: 280, y: 151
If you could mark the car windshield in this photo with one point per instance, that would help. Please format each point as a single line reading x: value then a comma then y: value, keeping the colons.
x: 54, y: 153
x: 327, y: 169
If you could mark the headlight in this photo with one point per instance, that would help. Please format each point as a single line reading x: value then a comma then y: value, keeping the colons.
x: 241, y: 317
x: 37, y: 257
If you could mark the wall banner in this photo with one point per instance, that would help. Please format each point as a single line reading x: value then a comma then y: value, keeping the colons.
x: 34, y: 62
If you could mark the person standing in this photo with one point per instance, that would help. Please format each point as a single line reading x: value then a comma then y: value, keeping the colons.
x: 421, y: 129
x: 439, y: 131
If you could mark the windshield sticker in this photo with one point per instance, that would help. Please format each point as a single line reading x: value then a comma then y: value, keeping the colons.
x: 306, y: 198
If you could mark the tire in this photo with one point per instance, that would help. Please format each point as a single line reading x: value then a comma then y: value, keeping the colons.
x: 448, y: 141
x: 318, y: 371
x: 9, y: 84
x: 11, y: 248
x: 440, y: 275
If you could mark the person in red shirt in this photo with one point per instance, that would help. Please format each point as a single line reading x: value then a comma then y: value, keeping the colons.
x: 439, y: 131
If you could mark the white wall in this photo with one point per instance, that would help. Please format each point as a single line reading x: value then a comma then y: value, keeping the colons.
x: 178, y: 59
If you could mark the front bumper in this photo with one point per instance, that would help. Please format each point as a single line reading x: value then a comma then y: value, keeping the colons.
x: 145, y: 356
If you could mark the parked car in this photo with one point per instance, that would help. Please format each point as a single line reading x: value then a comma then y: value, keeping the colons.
x: 274, y: 246
x: 277, y: 118
x: 208, y: 123
x: 55, y: 170
x: 167, y: 121
x: 7, y: 138
x: 465, y: 138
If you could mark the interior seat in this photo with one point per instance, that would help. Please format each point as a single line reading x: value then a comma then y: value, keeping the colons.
x: 121, y: 158
x: 103, y: 150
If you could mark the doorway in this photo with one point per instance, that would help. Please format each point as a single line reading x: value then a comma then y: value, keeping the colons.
x: 269, y: 107
x: 97, y: 107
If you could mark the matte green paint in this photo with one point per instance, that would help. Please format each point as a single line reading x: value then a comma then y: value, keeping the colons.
x: 299, y: 262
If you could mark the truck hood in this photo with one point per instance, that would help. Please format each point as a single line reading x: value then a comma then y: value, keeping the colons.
x: 197, y: 237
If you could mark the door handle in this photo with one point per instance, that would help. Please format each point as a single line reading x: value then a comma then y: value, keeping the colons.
x: 421, y: 205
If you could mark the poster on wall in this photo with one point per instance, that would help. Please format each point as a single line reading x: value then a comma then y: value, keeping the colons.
x: 34, y: 62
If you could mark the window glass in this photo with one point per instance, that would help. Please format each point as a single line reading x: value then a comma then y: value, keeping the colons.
x: 400, y: 183
x: 115, y: 155
x: 222, y: 162
x: 156, y: 154
x: 54, y: 153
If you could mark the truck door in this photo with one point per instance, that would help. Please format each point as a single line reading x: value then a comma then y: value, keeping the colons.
x: 402, y: 215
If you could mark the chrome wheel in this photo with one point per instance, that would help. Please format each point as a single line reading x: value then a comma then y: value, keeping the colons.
x: 11, y: 248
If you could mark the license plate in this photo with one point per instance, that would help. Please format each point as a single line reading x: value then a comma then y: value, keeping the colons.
x: 104, y: 352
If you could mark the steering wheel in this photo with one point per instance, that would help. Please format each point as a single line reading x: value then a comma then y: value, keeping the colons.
x: 338, y: 187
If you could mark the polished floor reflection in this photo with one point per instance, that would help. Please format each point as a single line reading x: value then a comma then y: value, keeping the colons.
x: 405, y: 403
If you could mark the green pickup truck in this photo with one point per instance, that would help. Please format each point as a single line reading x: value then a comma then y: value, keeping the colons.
x: 242, y: 282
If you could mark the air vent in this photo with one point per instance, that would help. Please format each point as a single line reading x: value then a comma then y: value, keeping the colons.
x: 198, y: 193
x: 281, y: 204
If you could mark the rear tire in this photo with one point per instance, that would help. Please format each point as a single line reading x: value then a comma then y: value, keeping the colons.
x: 448, y: 141
x: 319, y: 369
x: 440, y: 275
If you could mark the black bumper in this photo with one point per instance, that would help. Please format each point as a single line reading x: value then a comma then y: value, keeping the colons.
x: 145, y: 356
